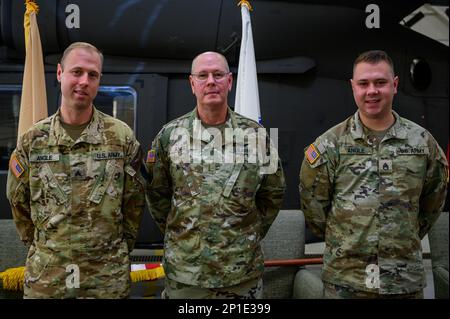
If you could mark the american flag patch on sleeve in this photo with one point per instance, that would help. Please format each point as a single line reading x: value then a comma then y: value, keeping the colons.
x: 151, y: 156
x: 312, y: 154
x: 15, y: 166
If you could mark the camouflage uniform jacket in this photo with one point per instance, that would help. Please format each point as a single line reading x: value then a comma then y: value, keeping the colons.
x: 77, y: 203
x: 213, y: 215
x: 374, y: 203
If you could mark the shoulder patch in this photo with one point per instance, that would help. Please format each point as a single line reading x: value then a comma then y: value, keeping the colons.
x: 312, y: 154
x: 15, y: 166
x: 151, y: 156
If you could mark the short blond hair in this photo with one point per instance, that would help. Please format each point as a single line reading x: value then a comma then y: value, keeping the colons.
x: 81, y: 45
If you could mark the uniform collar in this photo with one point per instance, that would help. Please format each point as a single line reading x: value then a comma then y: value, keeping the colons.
x: 398, y: 130
x: 199, y: 132
x: 92, y: 134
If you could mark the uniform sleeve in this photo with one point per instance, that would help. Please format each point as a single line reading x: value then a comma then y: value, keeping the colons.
x: 434, y: 191
x: 133, y: 194
x: 315, y: 193
x: 269, y: 197
x: 159, y: 185
x: 18, y: 194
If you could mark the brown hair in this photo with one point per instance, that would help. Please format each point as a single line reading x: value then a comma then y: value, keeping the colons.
x: 81, y: 45
x: 374, y: 57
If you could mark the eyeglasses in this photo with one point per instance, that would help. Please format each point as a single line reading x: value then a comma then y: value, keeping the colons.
x: 203, y: 76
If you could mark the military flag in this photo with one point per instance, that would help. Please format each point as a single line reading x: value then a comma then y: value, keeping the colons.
x: 247, y: 95
x: 33, y: 103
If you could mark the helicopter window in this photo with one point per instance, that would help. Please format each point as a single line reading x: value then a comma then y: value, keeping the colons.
x: 9, y: 122
x: 118, y: 101
x: 420, y: 73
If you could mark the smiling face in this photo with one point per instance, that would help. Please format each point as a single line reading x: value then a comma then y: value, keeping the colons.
x: 374, y: 87
x: 212, y: 91
x: 80, y: 78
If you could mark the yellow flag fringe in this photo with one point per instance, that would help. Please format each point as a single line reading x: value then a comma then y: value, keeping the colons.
x: 147, y: 274
x: 13, y: 278
x: 245, y: 3
x: 31, y: 6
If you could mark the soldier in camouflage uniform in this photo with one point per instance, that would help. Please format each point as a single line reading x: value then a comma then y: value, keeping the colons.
x: 373, y: 186
x: 213, y: 214
x: 76, y: 192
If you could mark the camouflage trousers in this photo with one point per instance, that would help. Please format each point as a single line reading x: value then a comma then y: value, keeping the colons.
x: 331, y: 291
x: 251, y: 289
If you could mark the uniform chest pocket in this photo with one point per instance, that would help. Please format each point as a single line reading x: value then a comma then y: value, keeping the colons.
x: 412, y: 161
x: 355, y: 161
x: 106, y: 168
x: 109, y: 180
x: 248, y: 177
x: 187, y: 179
x: 410, y: 169
x: 239, y: 191
x: 44, y: 186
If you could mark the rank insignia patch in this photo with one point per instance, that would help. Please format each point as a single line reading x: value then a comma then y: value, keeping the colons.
x: 151, y: 156
x: 385, y: 166
x: 312, y: 154
x: 16, y: 167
